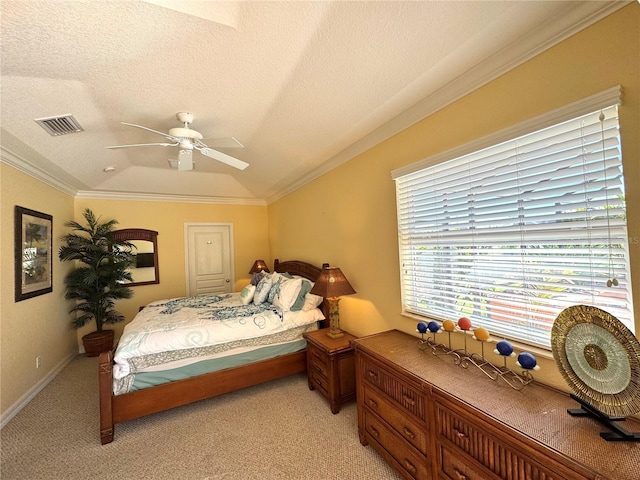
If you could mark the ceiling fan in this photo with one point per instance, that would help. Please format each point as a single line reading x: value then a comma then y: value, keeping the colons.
x: 188, y: 140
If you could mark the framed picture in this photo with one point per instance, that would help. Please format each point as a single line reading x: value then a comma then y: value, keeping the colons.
x: 33, y: 253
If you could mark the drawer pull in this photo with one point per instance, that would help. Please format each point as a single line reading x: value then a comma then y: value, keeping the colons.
x: 372, y: 403
x: 373, y: 375
x: 374, y: 431
x: 408, y: 433
x: 409, y: 400
x: 461, y: 435
x: 410, y: 466
x: 317, y: 368
x: 318, y: 356
x: 460, y: 475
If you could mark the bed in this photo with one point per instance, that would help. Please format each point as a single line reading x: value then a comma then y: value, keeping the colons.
x: 241, y: 367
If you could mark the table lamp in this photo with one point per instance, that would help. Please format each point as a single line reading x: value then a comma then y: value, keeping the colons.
x: 259, y: 266
x: 331, y: 284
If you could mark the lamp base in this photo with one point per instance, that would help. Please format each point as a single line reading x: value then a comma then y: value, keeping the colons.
x: 334, y: 318
x: 337, y: 334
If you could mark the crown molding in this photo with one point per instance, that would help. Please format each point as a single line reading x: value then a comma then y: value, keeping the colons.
x: 19, y: 163
x: 150, y: 197
x: 498, y: 64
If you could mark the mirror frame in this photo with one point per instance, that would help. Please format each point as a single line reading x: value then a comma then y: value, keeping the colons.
x: 128, y: 234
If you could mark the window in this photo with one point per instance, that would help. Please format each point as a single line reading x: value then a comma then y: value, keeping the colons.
x: 511, y: 234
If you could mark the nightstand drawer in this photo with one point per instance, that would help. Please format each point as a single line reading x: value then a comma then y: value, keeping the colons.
x: 320, y: 382
x: 318, y: 362
x: 319, y: 359
x: 411, y: 461
x: 409, y: 398
x: 410, y: 431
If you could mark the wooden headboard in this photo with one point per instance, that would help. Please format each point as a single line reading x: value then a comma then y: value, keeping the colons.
x: 297, y: 267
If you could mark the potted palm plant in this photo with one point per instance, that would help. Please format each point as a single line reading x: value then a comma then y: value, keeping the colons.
x: 99, y: 279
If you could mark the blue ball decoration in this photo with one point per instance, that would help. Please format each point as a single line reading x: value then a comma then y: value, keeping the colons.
x: 504, y: 348
x: 527, y: 360
x: 422, y: 327
x: 434, y: 326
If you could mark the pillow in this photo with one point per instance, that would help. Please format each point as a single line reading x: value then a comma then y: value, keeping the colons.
x: 262, y: 290
x: 287, y: 294
x: 311, y: 301
x: 275, y: 276
x: 300, y: 299
x: 276, y: 280
x: 256, y: 277
x: 246, y: 295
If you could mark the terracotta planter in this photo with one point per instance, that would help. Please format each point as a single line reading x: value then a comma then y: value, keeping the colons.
x: 97, y: 342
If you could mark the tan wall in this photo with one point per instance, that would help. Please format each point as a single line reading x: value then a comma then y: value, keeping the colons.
x: 347, y: 217
x: 37, y: 326
x: 250, y: 231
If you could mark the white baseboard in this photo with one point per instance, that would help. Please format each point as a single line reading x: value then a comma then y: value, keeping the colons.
x: 14, y: 409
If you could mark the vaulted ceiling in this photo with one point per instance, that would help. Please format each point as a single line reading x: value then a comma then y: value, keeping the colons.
x: 303, y: 85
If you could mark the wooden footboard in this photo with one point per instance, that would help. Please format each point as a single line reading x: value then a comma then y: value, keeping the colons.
x: 120, y: 408
x: 105, y: 390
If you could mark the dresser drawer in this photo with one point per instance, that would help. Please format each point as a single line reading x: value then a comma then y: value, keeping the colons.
x: 454, y: 467
x: 410, y: 431
x: 413, y: 465
x: 409, y: 398
x: 500, y: 458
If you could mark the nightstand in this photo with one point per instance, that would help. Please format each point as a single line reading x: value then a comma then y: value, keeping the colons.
x: 331, y: 367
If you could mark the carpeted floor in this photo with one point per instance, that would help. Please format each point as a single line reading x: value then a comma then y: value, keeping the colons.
x: 278, y: 430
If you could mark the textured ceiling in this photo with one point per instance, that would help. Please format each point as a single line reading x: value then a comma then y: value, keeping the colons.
x: 304, y: 85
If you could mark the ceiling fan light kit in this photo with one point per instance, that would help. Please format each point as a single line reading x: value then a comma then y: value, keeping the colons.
x: 174, y: 163
x: 188, y: 140
x: 185, y: 160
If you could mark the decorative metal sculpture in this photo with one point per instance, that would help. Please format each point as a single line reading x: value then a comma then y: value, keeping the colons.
x: 464, y: 358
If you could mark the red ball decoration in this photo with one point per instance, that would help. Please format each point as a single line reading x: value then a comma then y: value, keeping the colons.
x: 464, y: 323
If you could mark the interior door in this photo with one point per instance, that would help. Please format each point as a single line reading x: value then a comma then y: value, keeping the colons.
x: 208, y: 258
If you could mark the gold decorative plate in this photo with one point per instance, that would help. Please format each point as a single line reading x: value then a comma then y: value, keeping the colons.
x: 599, y: 358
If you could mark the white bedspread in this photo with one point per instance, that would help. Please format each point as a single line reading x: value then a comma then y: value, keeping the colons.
x: 190, y: 327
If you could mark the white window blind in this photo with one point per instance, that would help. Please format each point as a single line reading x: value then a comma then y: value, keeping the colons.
x: 512, y: 234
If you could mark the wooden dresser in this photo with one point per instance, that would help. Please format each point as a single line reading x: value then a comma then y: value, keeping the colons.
x: 432, y: 419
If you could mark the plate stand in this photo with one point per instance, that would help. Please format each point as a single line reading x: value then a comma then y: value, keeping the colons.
x: 619, y: 434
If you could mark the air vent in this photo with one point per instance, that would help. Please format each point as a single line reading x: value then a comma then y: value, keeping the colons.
x: 60, y: 125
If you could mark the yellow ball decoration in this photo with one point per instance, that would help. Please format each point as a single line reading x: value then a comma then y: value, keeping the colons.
x: 481, y: 334
x: 449, y: 325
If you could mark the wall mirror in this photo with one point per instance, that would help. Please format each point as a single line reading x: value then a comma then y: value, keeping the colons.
x: 145, y: 269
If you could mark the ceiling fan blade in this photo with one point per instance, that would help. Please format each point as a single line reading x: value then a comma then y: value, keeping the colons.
x: 224, y: 158
x: 185, y: 160
x: 146, y: 145
x: 223, y: 142
x: 165, y: 135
